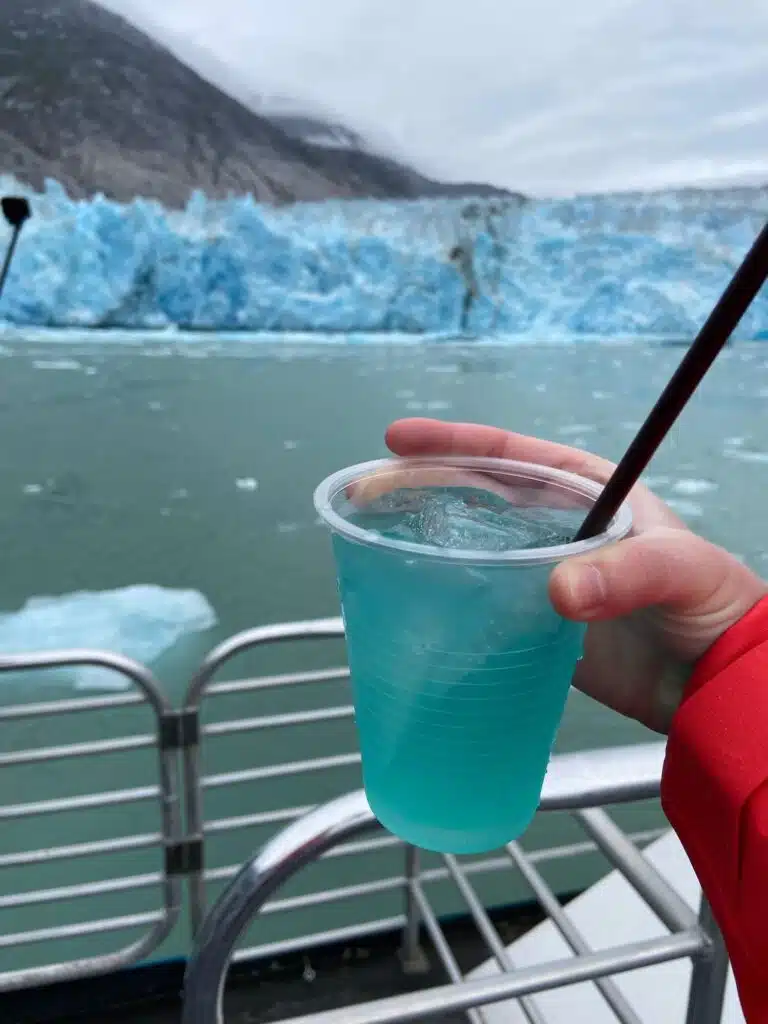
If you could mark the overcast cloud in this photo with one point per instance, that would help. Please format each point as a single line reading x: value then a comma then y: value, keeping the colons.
x: 546, y: 96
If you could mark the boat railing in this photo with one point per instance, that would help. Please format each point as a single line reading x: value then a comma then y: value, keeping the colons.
x: 578, y: 783
x: 204, y: 685
x: 178, y: 735
x: 156, y: 924
x: 174, y: 743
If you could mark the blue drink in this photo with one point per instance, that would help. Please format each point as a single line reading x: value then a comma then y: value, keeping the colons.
x: 460, y: 667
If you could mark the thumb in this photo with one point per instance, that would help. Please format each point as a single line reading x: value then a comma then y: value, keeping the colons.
x: 673, y: 569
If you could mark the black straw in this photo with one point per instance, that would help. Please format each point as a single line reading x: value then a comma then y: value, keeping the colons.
x: 16, y: 212
x: 723, y: 320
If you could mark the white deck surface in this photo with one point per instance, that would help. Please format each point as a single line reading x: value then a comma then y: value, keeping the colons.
x: 610, y: 913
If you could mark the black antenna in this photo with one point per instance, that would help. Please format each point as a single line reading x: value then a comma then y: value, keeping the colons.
x: 17, y: 212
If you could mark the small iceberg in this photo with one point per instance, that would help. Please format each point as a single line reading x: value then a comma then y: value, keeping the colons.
x: 140, y: 622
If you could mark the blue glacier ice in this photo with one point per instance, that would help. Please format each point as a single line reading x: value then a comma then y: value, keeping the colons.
x: 141, y: 621
x: 613, y: 266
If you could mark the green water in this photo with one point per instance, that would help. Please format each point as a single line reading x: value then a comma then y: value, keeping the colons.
x: 194, y: 467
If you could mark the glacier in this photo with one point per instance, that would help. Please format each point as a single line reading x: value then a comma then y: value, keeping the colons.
x: 140, y: 621
x: 614, y: 266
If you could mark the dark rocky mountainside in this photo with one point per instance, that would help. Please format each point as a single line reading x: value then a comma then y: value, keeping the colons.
x: 93, y: 102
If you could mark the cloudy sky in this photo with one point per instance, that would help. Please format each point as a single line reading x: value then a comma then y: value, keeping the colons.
x: 546, y: 96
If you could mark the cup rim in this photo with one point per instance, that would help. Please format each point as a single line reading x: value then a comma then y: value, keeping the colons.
x: 326, y: 491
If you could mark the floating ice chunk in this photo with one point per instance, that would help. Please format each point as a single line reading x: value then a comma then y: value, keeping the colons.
x: 694, y: 486
x: 287, y: 527
x: 745, y: 456
x: 56, y: 364
x: 655, y: 482
x: 141, y: 622
x: 573, y: 429
x: 443, y: 368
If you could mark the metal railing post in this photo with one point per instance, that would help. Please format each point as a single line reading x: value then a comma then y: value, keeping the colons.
x: 412, y: 955
x: 710, y: 974
x: 193, y: 796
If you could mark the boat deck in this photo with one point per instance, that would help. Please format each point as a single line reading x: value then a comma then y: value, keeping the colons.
x: 319, y: 980
x: 358, y: 974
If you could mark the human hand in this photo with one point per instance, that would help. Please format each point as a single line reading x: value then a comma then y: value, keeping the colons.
x: 654, y: 603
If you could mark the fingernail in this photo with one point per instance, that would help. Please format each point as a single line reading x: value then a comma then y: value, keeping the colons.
x: 587, y: 589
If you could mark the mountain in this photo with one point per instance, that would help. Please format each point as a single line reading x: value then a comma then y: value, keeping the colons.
x: 90, y: 100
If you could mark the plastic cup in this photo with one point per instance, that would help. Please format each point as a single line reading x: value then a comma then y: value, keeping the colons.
x: 460, y: 666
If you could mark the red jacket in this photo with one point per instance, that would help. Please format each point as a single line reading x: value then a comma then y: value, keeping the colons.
x: 715, y: 793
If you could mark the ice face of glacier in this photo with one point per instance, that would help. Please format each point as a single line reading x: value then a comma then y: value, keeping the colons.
x: 141, y: 622
x: 609, y: 266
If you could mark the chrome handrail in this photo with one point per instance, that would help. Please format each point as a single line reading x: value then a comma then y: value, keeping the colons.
x: 574, y: 782
x: 312, y: 629
x: 166, y: 793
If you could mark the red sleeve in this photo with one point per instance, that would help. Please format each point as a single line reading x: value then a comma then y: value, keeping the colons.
x: 714, y: 791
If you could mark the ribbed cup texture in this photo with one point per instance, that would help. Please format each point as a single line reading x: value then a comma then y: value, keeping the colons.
x: 460, y: 675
